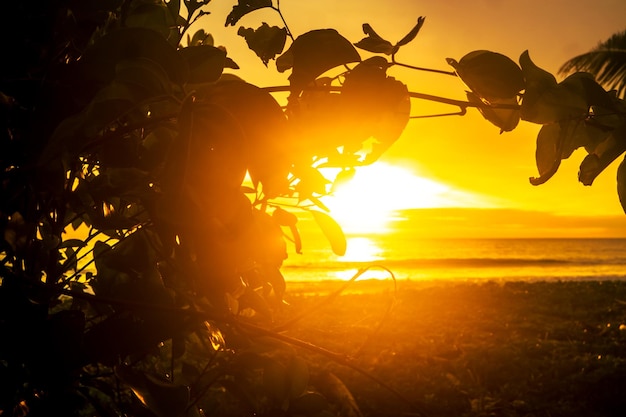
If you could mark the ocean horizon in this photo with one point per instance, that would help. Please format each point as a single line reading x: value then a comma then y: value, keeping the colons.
x: 463, y: 259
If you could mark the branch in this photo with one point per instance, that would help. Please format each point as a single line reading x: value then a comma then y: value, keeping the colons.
x: 400, y: 64
x: 339, y: 358
x: 461, y: 104
x: 334, y: 356
x: 277, y: 9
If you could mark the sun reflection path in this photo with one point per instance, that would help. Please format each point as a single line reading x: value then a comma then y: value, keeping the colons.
x: 361, y: 250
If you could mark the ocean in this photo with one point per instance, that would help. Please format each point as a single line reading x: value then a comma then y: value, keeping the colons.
x: 462, y: 259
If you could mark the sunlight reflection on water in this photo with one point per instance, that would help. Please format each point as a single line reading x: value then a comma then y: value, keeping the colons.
x: 362, y: 249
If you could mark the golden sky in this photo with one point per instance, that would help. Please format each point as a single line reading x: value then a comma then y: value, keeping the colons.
x: 466, y: 154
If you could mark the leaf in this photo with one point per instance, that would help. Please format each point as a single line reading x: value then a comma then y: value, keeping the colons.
x: 505, y: 119
x: 621, y: 184
x: 489, y: 75
x: 548, y: 151
x: 275, y: 380
x: 265, y: 41
x: 244, y: 7
x: 314, y: 53
x: 193, y: 5
x: 605, y: 153
x: 375, y: 106
x: 311, y: 182
x: 284, y: 218
x: 110, y: 103
x: 200, y: 38
x: 99, y: 61
x: 413, y: 33
x: 343, y: 177
x: 149, y: 15
x: 72, y: 243
x: 558, y: 141
x: 290, y: 220
x: 584, y: 85
x: 276, y: 279
x: 267, y: 149
x: 298, y: 373
x: 159, y: 395
x: 336, y: 392
x: 308, y: 404
x: 144, y: 74
x: 332, y: 230
x: 374, y: 43
x: 537, y: 79
x: 544, y: 100
x: 174, y: 8
x: 71, y: 261
x: 253, y: 300
x: 206, y: 63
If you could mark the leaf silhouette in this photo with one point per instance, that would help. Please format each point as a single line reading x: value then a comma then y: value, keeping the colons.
x: 505, y: 119
x: 200, y: 38
x: 378, y: 106
x: 489, y: 74
x: 336, y: 392
x: 205, y: 62
x: 265, y: 41
x: 544, y: 100
x: 157, y: 17
x: 621, y: 184
x: 160, y: 396
x: 266, y: 149
x: 374, y: 42
x: 332, y: 230
x: 605, y: 153
x: 100, y: 60
x: 243, y: 8
x: 548, y: 152
x: 413, y: 33
x: 314, y: 53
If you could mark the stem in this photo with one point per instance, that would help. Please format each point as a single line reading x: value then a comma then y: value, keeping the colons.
x: 329, y: 298
x: 334, y: 356
x: 438, y: 99
x: 394, y: 62
x: 277, y: 9
x: 251, y: 328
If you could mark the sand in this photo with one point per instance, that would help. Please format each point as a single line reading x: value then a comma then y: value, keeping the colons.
x: 469, y: 348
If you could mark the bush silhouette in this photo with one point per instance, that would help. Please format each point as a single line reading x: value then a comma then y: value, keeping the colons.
x: 139, y: 270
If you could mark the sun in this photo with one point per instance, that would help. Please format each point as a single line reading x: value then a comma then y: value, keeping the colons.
x: 367, y: 203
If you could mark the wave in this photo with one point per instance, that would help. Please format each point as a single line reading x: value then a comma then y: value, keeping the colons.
x: 465, y: 263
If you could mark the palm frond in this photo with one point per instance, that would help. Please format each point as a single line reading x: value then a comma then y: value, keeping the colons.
x: 607, y: 62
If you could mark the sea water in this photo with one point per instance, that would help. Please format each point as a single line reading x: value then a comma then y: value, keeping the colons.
x: 462, y: 259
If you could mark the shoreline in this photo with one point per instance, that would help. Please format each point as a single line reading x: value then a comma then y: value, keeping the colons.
x: 374, y: 285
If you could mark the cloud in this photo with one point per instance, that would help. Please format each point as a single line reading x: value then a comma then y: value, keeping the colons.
x: 504, y: 223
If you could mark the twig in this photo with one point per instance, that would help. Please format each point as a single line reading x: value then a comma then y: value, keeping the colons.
x: 331, y: 297
x: 413, y: 67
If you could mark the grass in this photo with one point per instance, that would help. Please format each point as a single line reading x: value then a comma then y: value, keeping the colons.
x: 474, y: 349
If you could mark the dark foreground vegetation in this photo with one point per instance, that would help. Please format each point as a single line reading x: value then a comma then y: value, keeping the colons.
x: 478, y: 349
x: 140, y: 275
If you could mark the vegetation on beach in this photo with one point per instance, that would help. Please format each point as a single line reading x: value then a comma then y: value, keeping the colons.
x: 476, y: 349
x: 139, y: 274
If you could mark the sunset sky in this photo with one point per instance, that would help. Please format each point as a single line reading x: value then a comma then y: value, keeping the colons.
x: 466, y: 155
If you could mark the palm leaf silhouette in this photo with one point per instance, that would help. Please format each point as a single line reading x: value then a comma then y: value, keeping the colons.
x: 607, y: 62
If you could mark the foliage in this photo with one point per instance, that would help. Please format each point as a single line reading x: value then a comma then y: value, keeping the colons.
x: 607, y: 62
x: 140, y: 271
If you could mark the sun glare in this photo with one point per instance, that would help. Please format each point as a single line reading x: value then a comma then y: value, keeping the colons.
x: 367, y: 203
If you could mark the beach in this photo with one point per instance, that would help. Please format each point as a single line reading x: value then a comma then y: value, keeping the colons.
x: 468, y: 348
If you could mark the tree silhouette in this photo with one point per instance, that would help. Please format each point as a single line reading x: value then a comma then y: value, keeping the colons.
x: 140, y: 273
x: 607, y: 62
